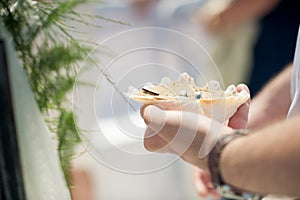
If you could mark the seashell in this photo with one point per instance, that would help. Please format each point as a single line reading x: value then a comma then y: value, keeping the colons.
x: 183, y: 94
x: 213, y: 86
x: 231, y: 90
x: 198, y: 95
x: 186, y: 79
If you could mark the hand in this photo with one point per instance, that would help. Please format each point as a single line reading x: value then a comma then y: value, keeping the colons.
x: 239, y: 120
x: 177, y: 132
x: 182, y: 133
x: 163, y: 126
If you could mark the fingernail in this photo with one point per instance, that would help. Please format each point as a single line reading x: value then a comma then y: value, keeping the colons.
x: 154, y: 117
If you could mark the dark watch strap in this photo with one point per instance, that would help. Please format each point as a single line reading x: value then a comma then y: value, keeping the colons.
x: 215, y: 154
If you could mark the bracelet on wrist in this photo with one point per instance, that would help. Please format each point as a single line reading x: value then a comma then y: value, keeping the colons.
x: 215, y: 155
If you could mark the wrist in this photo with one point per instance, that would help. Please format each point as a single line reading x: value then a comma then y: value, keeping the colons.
x: 214, y: 158
x: 203, y: 162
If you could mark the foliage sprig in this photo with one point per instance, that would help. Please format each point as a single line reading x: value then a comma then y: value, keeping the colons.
x: 50, y: 57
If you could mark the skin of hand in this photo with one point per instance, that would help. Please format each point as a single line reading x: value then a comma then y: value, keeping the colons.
x: 176, y: 132
x: 161, y: 142
x: 239, y: 120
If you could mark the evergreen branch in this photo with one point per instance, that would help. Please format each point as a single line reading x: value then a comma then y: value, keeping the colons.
x: 79, y: 19
x: 50, y: 56
x: 106, y: 19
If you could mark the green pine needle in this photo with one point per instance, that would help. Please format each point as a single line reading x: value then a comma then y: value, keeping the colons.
x: 50, y: 57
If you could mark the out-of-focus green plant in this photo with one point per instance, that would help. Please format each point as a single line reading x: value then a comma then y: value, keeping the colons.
x: 50, y: 57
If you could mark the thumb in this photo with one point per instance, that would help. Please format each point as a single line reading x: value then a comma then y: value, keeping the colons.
x: 240, y: 119
x: 154, y: 117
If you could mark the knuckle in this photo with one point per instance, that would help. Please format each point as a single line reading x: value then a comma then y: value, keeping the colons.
x: 149, y: 144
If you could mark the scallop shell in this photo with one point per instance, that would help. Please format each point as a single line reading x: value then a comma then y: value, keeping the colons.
x: 214, y: 102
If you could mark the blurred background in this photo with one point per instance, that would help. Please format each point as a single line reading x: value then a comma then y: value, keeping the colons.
x: 231, y: 41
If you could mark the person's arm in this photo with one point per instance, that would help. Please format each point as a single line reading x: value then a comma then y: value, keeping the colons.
x: 265, y: 108
x: 267, y: 161
x: 273, y: 102
x: 239, y: 12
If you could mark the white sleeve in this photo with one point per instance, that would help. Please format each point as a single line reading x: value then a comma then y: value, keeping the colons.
x: 295, y: 81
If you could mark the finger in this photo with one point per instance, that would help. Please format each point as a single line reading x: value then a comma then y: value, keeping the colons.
x: 208, y: 184
x: 152, y: 141
x: 212, y: 191
x: 172, y: 105
x: 201, y: 188
x: 242, y: 86
x: 142, y: 110
x: 154, y: 117
x: 240, y: 118
x: 203, y: 184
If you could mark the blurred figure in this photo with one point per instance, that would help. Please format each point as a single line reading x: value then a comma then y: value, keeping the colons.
x: 142, y: 7
x: 81, y: 188
x: 233, y: 42
x: 275, y: 43
x: 274, y: 46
